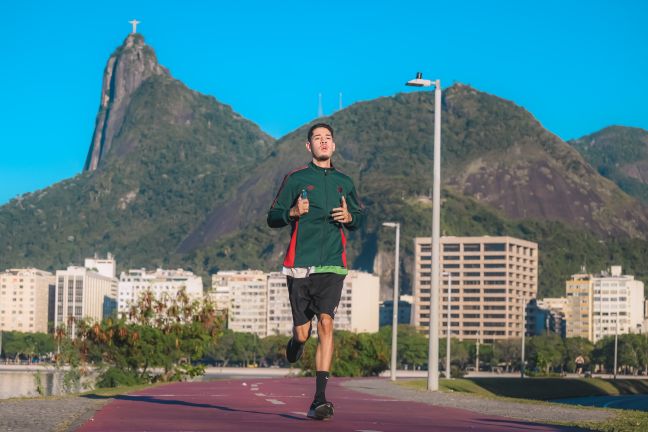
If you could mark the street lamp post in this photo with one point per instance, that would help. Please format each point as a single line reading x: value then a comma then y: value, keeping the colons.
x: 448, y: 325
x: 433, y: 349
x: 616, y: 344
x: 522, y: 364
x: 477, y: 353
x: 395, y: 303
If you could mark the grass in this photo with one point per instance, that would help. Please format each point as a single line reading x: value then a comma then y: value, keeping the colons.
x: 553, y: 388
x: 537, y: 388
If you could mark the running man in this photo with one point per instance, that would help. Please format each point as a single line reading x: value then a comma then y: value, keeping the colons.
x: 318, y: 202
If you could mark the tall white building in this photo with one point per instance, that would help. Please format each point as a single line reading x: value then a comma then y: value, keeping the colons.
x: 359, y: 308
x: 163, y: 284
x: 25, y: 297
x: 617, y: 304
x: 258, y: 302
x: 279, y: 314
x: 83, y: 293
x: 247, y: 305
x: 104, y: 266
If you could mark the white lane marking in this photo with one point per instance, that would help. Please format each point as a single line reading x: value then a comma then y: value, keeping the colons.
x: 298, y: 413
x: 367, y: 430
x: 276, y: 402
x: 259, y: 394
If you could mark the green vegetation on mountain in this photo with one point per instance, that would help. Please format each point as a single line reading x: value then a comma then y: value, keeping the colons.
x: 620, y: 154
x: 186, y: 150
x: 187, y: 182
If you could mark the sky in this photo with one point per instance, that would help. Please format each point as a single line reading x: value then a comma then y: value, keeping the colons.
x: 577, y: 66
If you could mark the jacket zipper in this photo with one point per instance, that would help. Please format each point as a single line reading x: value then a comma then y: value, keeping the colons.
x: 325, y: 216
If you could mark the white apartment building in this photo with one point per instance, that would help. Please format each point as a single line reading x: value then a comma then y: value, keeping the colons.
x: 247, y: 294
x: 25, y: 297
x: 279, y: 314
x: 617, y: 304
x: 163, y: 284
x: 104, y: 266
x: 258, y: 302
x: 83, y: 293
x: 359, y: 308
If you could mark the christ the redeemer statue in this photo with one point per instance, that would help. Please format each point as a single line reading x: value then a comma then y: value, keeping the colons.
x: 134, y: 23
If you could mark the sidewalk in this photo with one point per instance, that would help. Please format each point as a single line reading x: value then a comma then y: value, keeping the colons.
x: 536, y: 411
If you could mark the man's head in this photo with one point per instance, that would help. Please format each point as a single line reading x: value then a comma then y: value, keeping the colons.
x: 320, y: 142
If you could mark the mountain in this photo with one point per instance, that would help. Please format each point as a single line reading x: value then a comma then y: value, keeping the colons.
x: 621, y: 154
x: 127, y: 69
x: 161, y: 155
x: 504, y: 174
x: 175, y: 178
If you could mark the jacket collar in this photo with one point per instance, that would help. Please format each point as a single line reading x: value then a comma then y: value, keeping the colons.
x: 319, y: 169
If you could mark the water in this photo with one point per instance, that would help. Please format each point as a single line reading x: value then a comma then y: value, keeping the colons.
x: 634, y: 402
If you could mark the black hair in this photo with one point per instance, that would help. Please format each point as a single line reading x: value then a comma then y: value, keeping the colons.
x: 319, y: 125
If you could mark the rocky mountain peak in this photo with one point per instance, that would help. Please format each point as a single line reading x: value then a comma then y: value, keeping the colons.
x: 128, y: 67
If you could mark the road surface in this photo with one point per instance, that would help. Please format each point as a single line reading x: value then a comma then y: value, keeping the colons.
x: 280, y: 404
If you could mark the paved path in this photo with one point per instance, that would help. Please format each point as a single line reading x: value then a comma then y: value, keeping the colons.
x: 532, y: 411
x: 280, y: 405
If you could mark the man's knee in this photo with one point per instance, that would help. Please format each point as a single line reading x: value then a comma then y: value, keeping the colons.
x: 325, y: 324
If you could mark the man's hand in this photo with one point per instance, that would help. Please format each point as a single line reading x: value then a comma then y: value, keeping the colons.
x: 300, y: 209
x: 341, y: 214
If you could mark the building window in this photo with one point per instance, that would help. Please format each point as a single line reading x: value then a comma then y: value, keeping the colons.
x: 495, y: 247
x: 451, y: 247
x: 472, y: 247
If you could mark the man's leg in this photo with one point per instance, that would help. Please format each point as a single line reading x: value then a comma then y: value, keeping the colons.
x: 326, y: 298
x: 302, y: 333
x: 320, y: 408
x: 324, y: 353
x: 295, y: 347
x: 302, y: 317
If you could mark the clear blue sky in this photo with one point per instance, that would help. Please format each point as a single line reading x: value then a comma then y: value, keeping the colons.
x: 578, y: 66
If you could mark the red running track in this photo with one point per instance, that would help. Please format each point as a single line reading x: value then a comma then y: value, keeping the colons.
x: 281, y: 405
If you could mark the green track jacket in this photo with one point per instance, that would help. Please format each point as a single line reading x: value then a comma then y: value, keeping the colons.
x: 316, y: 239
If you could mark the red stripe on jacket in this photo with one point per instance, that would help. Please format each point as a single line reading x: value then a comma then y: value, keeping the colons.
x: 283, y: 183
x: 289, y: 261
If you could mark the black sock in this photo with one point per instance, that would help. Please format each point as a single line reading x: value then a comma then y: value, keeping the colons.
x: 320, y: 386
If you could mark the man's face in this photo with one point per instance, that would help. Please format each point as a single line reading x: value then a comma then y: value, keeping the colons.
x: 321, y: 144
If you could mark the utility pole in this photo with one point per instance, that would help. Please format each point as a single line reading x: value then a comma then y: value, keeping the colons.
x: 523, y: 336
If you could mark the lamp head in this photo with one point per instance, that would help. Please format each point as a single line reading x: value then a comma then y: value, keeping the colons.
x: 390, y: 224
x: 419, y: 81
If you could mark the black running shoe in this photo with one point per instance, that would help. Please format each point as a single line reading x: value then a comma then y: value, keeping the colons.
x: 294, y: 350
x: 321, y: 410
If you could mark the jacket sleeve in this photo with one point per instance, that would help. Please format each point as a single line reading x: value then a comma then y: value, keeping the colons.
x: 357, y: 210
x: 279, y: 213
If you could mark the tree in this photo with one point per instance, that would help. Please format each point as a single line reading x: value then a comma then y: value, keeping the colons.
x: 507, y: 351
x: 26, y: 345
x: 545, y: 352
x: 354, y: 355
x: 167, y: 333
x: 576, y: 347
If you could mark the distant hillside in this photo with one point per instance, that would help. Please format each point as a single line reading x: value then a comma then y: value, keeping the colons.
x: 172, y: 154
x: 621, y: 154
x: 518, y: 178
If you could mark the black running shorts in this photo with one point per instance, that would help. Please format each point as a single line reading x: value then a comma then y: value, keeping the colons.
x: 316, y: 294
